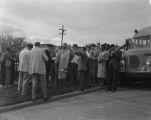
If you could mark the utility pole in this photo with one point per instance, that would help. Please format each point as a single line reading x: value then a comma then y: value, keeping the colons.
x: 62, y: 33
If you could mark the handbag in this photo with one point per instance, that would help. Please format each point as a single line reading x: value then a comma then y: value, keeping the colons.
x: 8, y: 63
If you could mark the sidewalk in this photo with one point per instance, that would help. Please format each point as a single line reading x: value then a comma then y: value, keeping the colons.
x: 10, y: 96
x: 40, y: 101
x: 10, y: 99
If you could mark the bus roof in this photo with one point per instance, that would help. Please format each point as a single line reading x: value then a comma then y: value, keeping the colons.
x: 143, y: 32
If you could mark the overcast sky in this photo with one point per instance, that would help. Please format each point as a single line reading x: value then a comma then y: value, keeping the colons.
x: 86, y: 21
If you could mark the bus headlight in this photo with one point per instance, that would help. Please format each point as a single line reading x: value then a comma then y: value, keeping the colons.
x: 147, y: 62
x: 148, y: 65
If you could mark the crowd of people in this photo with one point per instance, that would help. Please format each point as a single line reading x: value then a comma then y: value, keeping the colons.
x: 93, y: 64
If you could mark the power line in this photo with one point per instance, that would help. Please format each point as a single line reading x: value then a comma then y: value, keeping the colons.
x: 62, y: 33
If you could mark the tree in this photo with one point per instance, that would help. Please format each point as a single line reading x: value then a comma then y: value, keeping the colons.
x: 15, y: 43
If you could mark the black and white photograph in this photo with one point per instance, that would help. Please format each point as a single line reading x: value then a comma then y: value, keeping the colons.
x: 75, y: 59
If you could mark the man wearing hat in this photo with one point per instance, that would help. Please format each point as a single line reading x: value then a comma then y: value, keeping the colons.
x: 74, y: 64
x: 37, y: 70
x: 24, y: 59
x: 48, y: 63
x: 113, y: 69
x: 94, y: 63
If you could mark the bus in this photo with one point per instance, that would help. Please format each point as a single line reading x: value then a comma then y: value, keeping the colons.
x: 137, y: 58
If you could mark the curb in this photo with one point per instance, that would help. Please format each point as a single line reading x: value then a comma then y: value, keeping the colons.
x: 40, y: 101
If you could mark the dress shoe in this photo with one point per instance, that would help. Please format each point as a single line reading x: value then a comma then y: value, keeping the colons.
x: 34, y: 100
x: 45, y: 99
x: 108, y: 90
x: 113, y: 90
x: 82, y: 90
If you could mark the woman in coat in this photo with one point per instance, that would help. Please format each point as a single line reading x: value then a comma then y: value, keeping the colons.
x: 63, y: 63
x: 6, y: 67
x: 101, y: 74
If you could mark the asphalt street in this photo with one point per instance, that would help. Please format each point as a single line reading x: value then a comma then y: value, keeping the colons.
x: 125, y: 104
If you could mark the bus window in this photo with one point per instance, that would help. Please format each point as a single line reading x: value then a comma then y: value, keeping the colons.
x: 148, y: 42
x: 136, y: 43
x: 144, y: 42
x: 141, y: 42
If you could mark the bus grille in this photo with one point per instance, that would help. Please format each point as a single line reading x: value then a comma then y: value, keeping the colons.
x: 133, y: 62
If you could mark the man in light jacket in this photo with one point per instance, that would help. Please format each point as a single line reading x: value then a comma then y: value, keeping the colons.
x: 63, y: 64
x: 24, y: 59
x: 38, y: 71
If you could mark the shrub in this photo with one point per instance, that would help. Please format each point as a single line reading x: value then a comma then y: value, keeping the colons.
x: 15, y: 43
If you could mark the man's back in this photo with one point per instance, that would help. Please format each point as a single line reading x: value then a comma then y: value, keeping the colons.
x: 24, y: 58
x: 37, y: 61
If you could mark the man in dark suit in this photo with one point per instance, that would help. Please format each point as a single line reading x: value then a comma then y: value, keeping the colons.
x: 94, y: 63
x: 82, y: 67
x: 113, y: 69
x: 49, y: 62
x: 74, y: 64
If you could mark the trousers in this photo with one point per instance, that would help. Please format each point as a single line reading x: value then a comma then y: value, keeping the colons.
x: 23, y: 82
x: 41, y: 79
x: 113, y: 79
x: 82, y: 79
x: 74, y: 72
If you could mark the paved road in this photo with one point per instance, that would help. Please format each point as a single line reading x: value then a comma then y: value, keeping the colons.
x: 101, y: 105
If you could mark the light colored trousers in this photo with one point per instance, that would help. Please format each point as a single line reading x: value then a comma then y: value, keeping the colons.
x: 36, y: 79
x: 23, y: 82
